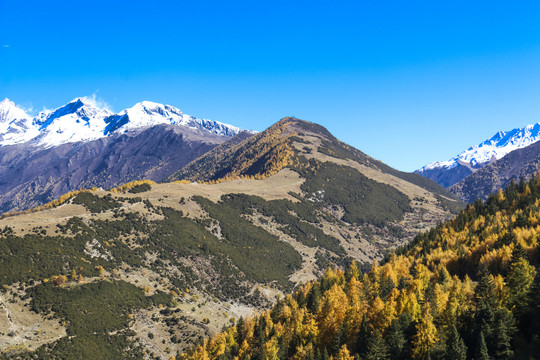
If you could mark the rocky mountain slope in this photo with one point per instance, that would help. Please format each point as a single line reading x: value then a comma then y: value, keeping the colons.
x: 521, y: 163
x: 155, y: 267
x: 448, y: 173
x: 81, y: 145
x: 32, y: 176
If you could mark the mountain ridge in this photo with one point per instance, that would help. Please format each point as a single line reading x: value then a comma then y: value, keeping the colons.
x: 277, y: 138
x: 83, y: 120
x: 31, y: 176
x: 450, y: 172
x: 519, y: 164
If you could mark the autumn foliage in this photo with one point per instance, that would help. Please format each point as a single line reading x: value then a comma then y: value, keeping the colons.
x: 466, y: 289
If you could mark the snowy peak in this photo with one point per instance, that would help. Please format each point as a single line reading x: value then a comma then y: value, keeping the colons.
x: 494, y: 148
x: 78, y: 120
x: 516, y: 138
x: 10, y: 112
x: 148, y: 113
x: 77, y: 109
x: 83, y: 120
x: 15, y: 124
x: 450, y: 172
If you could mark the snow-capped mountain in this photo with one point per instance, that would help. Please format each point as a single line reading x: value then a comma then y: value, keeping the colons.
x: 83, y: 120
x: 148, y: 113
x: 15, y: 125
x: 454, y: 170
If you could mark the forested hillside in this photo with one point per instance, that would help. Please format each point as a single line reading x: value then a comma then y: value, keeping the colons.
x: 468, y: 289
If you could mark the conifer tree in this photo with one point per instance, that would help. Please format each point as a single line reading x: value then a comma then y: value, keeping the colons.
x: 533, y: 315
x: 444, y: 276
x: 485, y: 298
x: 363, y: 336
x: 504, y: 331
x: 376, y: 347
x: 481, y: 352
x: 520, y: 278
x: 314, y: 297
x: 455, y: 346
x: 485, y: 290
x: 338, y: 340
x: 396, y: 340
x: 325, y: 355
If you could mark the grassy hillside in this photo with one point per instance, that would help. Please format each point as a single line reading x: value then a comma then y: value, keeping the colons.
x: 268, y: 152
x: 466, y: 289
x: 339, y: 180
x: 152, y: 257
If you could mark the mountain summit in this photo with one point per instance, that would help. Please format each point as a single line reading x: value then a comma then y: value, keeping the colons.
x: 82, y: 120
x: 15, y: 124
x: 448, y: 173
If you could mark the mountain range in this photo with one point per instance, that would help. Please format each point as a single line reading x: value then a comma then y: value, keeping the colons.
x: 81, y: 145
x: 450, y: 172
x: 82, y: 120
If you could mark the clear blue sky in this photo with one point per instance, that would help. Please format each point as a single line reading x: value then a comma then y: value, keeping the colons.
x: 407, y: 82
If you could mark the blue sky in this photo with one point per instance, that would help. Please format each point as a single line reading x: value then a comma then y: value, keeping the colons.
x: 407, y: 82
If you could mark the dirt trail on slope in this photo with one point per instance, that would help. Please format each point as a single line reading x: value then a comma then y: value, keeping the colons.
x: 22, y: 329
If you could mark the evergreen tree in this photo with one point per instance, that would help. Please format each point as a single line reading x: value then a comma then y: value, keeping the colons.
x: 402, y: 283
x: 325, y: 355
x: 338, y: 340
x: 396, y: 340
x: 481, y: 352
x: 363, y: 336
x: 533, y: 316
x: 444, y: 276
x: 504, y: 331
x: 485, y: 290
x: 259, y: 352
x: 314, y: 297
x: 376, y: 347
x: 520, y: 278
x: 241, y: 332
x: 301, y: 298
x: 485, y: 302
x: 518, y: 253
x: 455, y: 346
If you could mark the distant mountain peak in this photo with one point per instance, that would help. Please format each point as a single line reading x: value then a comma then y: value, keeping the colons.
x: 477, y: 156
x: 83, y: 119
x: 9, y: 111
x: 15, y: 124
